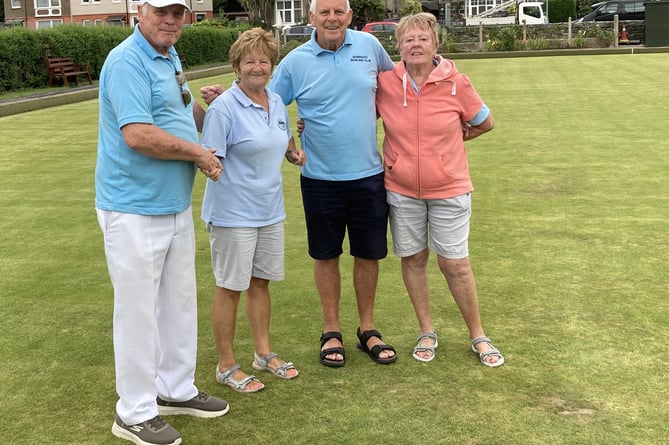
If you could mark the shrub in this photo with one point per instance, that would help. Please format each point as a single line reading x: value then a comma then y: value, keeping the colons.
x: 22, y: 51
x: 288, y: 47
x: 579, y: 41
x: 388, y: 41
x: 21, y: 62
x: 448, y: 45
x: 604, y: 37
x: 538, y: 44
x: 506, y: 38
x: 560, y: 10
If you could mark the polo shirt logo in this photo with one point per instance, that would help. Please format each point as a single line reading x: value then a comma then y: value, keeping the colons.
x: 282, y: 125
x: 364, y: 59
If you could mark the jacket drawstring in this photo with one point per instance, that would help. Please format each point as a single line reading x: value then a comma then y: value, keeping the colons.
x: 404, y: 89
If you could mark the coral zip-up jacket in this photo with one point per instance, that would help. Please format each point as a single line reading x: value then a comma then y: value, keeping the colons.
x: 424, y: 152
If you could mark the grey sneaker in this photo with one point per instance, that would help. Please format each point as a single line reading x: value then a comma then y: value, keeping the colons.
x: 202, y: 405
x: 151, y: 432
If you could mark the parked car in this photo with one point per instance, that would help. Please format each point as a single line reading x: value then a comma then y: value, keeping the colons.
x: 375, y: 27
x: 302, y: 32
x: 625, y: 9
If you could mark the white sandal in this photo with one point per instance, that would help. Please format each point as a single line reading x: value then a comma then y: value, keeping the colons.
x: 421, y: 348
x: 485, y: 354
x: 225, y: 378
x: 261, y: 363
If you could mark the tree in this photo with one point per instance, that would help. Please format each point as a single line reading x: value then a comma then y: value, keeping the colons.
x: 365, y: 11
x: 260, y: 11
x: 410, y: 7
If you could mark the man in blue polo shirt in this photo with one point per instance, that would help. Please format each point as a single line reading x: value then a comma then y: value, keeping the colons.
x: 333, y: 80
x: 147, y: 159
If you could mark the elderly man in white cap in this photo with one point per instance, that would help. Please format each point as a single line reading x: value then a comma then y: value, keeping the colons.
x: 148, y: 152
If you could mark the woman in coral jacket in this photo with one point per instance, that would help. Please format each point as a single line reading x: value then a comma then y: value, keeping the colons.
x: 429, y: 109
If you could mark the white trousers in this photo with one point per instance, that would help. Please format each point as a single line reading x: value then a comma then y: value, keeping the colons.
x: 151, y: 262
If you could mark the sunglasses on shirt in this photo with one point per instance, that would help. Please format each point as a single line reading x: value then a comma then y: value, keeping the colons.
x: 185, y: 94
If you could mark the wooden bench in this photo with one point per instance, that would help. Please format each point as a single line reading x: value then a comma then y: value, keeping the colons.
x: 62, y: 68
x: 184, y: 61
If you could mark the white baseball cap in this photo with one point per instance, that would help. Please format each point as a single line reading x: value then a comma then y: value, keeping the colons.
x: 163, y: 3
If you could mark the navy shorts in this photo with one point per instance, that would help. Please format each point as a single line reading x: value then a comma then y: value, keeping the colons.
x: 333, y: 207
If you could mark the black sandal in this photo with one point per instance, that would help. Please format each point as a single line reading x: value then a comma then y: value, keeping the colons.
x: 376, y: 350
x: 329, y: 351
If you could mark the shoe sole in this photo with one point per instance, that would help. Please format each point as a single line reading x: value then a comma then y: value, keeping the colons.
x: 124, y: 434
x: 180, y: 410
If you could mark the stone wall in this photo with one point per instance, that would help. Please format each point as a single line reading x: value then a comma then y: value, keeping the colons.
x: 468, y: 35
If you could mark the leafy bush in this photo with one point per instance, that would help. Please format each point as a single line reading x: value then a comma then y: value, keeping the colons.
x: 365, y: 11
x: 603, y: 36
x: 579, y: 41
x: 23, y: 51
x: 507, y: 38
x: 288, y: 47
x: 560, y: 10
x: 20, y: 59
x: 448, y: 45
x: 388, y: 41
x: 539, y: 44
x: 205, y: 45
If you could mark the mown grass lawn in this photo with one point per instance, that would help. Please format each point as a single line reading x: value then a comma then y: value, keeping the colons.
x: 569, y: 245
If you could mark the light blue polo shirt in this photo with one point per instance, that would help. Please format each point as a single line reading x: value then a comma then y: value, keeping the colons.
x: 251, y: 144
x: 138, y: 85
x: 335, y: 93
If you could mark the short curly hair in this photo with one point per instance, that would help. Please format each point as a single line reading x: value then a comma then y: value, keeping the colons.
x: 422, y: 20
x: 255, y: 40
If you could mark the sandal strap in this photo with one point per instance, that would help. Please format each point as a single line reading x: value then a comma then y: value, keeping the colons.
x: 477, y: 340
x: 492, y: 351
x: 376, y: 349
x: 263, y: 360
x: 432, y: 335
x: 227, y: 379
x: 329, y: 336
x: 231, y: 370
x: 365, y: 336
x: 283, y: 369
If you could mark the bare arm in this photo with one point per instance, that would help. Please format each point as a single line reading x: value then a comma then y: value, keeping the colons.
x: 152, y: 141
x: 198, y: 116
x: 471, y: 132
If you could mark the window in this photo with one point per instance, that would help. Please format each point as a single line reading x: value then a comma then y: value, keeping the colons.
x: 47, y: 8
x: 46, y: 24
x: 289, y: 12
x: 86, y: 22
x: 477, y: 7
x: 199, y: 17
x: 533, y: 11
x: 634, y: 7
x: 16, y: 4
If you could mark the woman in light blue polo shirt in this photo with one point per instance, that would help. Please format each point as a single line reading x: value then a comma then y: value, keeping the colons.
x: 244, y: 211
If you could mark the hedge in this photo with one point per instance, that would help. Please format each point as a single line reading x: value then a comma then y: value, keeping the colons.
x: 23, y: 51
